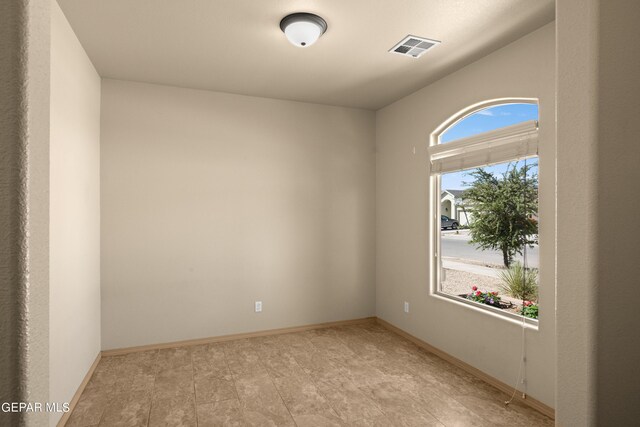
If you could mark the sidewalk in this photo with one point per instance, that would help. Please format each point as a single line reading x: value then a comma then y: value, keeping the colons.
x: 470, y: 268
x: 456, y: 234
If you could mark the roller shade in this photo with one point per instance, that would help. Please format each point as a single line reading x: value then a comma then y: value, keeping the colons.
x: 496, y: 146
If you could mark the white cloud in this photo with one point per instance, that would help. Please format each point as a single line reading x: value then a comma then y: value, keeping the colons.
x: 491, y: 113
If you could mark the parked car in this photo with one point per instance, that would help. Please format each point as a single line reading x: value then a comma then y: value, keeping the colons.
x: 446, y: 222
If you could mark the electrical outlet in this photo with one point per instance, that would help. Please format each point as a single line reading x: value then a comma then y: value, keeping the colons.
x: 258, y: 306
x: 406, y: 307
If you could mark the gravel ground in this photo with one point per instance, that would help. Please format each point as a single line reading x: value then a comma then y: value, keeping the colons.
x: 460, y: 282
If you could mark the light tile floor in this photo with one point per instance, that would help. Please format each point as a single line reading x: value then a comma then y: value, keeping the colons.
x: 360, y: 375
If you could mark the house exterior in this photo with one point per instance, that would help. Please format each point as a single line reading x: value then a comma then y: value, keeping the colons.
x: 451, y: 205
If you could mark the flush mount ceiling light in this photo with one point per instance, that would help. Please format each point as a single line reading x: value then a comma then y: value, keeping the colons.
x: 303, y: 29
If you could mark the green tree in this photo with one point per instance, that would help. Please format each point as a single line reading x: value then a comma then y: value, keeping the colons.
x: 504, y: 209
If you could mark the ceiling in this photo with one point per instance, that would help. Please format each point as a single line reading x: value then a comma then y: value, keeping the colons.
x: 236, y: 46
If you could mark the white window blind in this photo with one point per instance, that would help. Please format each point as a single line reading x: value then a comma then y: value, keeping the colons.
x: 496, y: 146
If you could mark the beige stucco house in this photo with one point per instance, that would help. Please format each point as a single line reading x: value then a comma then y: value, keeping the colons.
x: 451, y: 206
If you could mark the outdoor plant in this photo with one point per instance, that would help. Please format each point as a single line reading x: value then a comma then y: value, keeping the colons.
x: 530, y: 309
x: 489, y: 298
x: 520, y: 282
x: 504, y: 210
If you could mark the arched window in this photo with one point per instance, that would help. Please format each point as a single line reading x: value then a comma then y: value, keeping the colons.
x: 484, y: 181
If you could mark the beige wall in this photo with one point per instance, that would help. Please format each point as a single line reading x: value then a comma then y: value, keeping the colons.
x: 598, y: 158
x: 577, y: 179
x: 24, y: 206
x: 74, y: 313
x: 211, y: 201
x: 492, y: 344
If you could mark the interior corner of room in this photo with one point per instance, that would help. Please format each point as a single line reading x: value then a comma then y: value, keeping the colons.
x: 173, y: 189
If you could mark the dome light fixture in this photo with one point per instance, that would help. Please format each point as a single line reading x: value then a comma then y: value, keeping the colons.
x: 303, y: 29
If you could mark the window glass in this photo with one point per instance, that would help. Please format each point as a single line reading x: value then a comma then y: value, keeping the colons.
x: 489, y: 235
x: 491, y: 118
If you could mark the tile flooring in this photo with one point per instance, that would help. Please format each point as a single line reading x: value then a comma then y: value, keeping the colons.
x: 360, y: 375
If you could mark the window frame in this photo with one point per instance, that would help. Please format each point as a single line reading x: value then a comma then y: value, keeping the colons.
x: 439, y: 149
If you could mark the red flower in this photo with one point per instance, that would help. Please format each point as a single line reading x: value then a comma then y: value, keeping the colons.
x: 478, y: 293
x: 475, y: 288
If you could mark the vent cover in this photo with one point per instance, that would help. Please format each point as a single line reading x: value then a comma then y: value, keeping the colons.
x: 413, y: 46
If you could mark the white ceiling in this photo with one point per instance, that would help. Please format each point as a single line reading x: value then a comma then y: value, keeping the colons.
x: 236, y: 45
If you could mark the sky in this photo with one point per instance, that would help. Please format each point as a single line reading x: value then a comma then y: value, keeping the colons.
x: 483, y: 121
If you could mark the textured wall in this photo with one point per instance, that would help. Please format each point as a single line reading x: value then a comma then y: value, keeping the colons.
x: 211, y: 201
x: 75, y: 212
x: 598, y: 158
x: 524, y: 68
x: 618, y: 333
x: 24, y: 220
x: 577, y: 180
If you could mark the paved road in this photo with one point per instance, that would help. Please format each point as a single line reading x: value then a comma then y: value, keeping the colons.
x: 457, y: 246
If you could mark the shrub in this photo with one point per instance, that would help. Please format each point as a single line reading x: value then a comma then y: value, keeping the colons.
x: 520, y: 282
x: 503, y: 209
x: 530, y: 309
x: 489, y: 298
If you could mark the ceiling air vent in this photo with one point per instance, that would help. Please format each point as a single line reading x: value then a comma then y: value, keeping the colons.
x: 413, y: 46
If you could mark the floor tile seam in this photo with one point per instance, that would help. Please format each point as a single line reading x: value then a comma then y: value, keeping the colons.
x: 358, y: 388
x: 372, y: 401
x: 379, y: 406
x: 346, y: 344
x: 74, y: 410
x: 466, y: 407
x: 297, y: 364
x: 104, y: 411
x: 153, y: 392
x: 251, y: 349
x: 452, y: 397
x: 426, y: 410
x: 387, y: 414
x: 475, y: 413
x: 315, y: 384
x: 193, y: 384
x: 419, y: 404
x: 372, y: 336
x: 412, y: 371
x: 281, y: 398
x: 235, y: 385
x: 368, y: 332
x: 295, y: 357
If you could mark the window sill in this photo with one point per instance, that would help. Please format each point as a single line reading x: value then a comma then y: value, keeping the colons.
x: 489, y: 310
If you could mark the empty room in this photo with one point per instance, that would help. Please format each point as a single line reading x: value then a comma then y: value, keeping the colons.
x: 319, y: 213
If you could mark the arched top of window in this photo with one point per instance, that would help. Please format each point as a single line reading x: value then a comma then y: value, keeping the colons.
x: 484, y: 117
x: 486, y: 133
